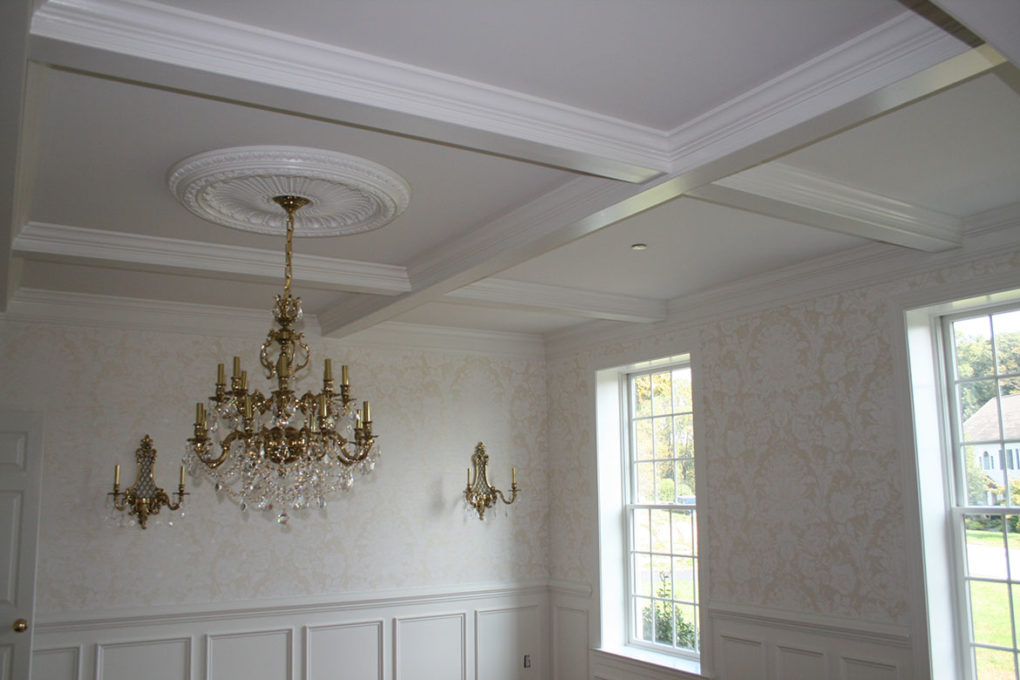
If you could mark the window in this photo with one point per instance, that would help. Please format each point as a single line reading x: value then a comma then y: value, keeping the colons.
x: 982, y: 369
x: 650, y: 557
x: 661, y: 510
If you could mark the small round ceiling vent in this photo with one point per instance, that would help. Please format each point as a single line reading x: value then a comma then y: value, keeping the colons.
x: 235, y: 187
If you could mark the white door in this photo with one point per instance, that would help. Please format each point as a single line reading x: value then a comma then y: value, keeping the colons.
x: 20, y: 466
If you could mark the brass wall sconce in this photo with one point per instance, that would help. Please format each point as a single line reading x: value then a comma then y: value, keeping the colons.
x: 480, y: 493
x: 144, y: 498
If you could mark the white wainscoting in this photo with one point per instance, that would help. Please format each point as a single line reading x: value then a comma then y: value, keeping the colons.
x: 754, y: 643
x: 468, y: 634
x: 748, y: 643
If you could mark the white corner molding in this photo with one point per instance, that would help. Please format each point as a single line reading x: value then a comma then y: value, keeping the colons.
x: 801, y: 196
x: 77, y: 244
x: 174, y: 36
x: 398, y: 334
x: 569, y: 301
x: 897, y: 49
x: 106, y: 311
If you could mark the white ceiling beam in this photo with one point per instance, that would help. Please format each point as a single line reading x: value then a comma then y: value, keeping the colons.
x: 559, y: 299
x: 554, y: 219
x: 14, y: 22
x: 892, y: 51
x: 996, y: 21
x: 62, y: 243
x: 174, y: 48
x: 786, y: 192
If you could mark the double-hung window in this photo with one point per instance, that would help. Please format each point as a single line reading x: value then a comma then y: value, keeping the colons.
x: 982, y: 374
x: 661, y: 510
x: 649, y: 560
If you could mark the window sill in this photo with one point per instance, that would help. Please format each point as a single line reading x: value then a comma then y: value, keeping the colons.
x: 629, y: 659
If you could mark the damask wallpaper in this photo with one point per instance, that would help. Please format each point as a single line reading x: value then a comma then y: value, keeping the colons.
x: 404, y: 526
x: 799, y: 416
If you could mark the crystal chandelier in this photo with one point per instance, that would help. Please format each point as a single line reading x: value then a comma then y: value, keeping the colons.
x: 285, y: 450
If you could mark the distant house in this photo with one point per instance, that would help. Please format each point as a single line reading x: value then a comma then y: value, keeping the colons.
x: 994, y: 454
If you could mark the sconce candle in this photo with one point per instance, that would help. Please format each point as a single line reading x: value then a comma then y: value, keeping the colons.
x: 480, y: 494
x: 144, y: 498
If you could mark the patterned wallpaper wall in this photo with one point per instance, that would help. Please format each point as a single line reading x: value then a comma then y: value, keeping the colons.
x: 799, y: 430
x: 403, y: 526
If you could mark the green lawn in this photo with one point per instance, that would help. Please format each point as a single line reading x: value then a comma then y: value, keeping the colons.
x: 991, y: 617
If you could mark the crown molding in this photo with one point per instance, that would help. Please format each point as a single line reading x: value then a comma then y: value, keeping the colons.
x: 616, y: 148
x: 994, y: 232
x: 397, y: 334
x: 106, y: 311
x: 67, y: 243
x: 571, y: 301
x: 169, y: 35
x: 32, y: 305
x: 897, y: 49
x: 857, y: 212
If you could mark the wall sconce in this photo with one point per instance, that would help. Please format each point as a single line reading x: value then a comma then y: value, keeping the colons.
x: 480, y: 493
x: 144, y: 498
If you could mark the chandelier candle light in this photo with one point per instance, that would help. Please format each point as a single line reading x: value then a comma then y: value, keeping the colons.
x: 282, y: 451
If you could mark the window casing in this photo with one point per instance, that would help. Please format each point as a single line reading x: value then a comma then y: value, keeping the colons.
x: 981, y: 354
x: 660, y: 507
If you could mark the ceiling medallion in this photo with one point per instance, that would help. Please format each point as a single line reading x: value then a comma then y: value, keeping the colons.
x: 234, y: 187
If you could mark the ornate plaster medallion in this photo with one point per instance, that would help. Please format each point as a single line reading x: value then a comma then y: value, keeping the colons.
x: 235, y: 187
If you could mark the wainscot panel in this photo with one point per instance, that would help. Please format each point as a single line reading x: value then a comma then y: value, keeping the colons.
x: 409, y: 635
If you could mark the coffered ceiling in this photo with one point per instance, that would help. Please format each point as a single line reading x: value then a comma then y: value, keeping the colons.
x: 540, y: 141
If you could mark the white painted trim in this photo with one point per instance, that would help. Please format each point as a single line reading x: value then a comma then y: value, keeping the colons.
x: 871, y: 215
x: 288, y: 634
x: 994, y: 232
x: 170, y: 35
x: 572, y: 301
x: 102, y: 647
x: 444, y: 338
x: 157, y: 253
x: 377, y: 623
x: 816, y: 624
x: 570, y: 588
x: 189, y: 614
x: 459, y: 616
x: 105, y: 311
x: 901, y: 47
x: 31, y: 305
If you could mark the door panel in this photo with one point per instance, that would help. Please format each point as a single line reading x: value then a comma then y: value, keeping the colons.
x: 20, y: 471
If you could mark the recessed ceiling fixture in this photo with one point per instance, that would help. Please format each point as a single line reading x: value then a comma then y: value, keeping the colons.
x: 284, y: 450
x: 639, y: 246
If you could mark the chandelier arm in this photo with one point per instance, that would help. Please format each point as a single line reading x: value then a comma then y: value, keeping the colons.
x: 349, y: 459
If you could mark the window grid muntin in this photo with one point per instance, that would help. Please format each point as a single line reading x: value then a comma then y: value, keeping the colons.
x: 962, y: 505
x: 687, y: 507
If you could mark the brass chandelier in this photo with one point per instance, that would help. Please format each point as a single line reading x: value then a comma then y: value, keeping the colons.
x: 282, y: 451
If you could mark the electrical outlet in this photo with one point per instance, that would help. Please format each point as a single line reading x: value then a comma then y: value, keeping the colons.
x: 527, y: 661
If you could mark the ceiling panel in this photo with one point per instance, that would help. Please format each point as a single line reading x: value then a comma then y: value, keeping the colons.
x: 107, y: 146
x: 692, y: 245
x: 650, y: 62
x: 957, y: 152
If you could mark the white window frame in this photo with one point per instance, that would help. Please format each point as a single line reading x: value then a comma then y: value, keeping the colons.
x: 959, y: 503
x: 941, y: 641
x: 613, y: 596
